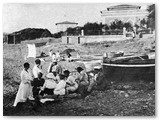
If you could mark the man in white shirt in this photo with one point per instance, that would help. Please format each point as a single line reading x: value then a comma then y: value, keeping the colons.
x: 37, y: 68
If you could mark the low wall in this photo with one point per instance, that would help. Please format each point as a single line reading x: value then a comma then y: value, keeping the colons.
x: 148, y: 35
x: 89, y: 39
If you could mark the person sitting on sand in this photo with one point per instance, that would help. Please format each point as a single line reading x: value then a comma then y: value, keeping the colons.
x: 53, y: 56
x: 24, y: 90
x: 37, y: 83
x: 82, y: 80
x: 57, y: 56
x: 50, y: 53
x: 54, y: 66
x: 82, y: 77
x: 92, y: 82
x: 49, y: 84
x: 93, y: 78
x: 71, y: 84
x: 60, y: 88
x: 37, y: 68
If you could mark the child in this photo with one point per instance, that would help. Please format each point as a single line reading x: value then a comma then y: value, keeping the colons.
x: 60, y: 88
x: 24, y: 90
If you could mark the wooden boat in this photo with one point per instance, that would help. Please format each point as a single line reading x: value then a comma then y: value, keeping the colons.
x: 129, y: 68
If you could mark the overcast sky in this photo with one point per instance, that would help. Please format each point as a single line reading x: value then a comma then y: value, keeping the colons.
x: 21, y: 16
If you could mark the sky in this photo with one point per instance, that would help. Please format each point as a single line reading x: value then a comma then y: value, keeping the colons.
x: 17, y: 16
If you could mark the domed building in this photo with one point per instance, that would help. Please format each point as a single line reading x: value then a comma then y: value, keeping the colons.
x: 126, y: 13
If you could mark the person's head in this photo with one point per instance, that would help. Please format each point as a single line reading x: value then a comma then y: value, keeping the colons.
x: 61, y: 76
x: 26, y: 65
x: 66, y: 73
x: 79, y: 69
x: 40, y: 75
x: 38, y: 62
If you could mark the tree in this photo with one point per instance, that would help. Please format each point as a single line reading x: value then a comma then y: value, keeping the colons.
x: 117, y: 24
x: 70, y: 31
x: 92, y: 28
x: 151, y: 16
x: 128, y: 26
x: 58, y: 35
x: 143, y: 22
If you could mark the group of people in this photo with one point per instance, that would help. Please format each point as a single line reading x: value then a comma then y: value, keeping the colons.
x: 34, y: 85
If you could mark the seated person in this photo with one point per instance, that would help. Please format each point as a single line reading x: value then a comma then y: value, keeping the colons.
x: 82, y: 80
x: 49, y: 84
x: 54, y: 67
x: 37, y: 83
x: 92, y: 82
x: 53, y: 56
x: 60, y: 88
x: 82, y: 77
x: 71, y: 84
x: 57, y: 56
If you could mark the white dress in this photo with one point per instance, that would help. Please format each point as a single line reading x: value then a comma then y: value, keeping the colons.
x: 24, y: 90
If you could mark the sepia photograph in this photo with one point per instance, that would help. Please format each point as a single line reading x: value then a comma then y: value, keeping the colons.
x: 79, y: 59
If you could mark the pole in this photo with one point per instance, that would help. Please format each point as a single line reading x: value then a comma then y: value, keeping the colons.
x: 14, y: 39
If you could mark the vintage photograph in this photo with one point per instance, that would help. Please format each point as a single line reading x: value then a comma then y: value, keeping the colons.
x: 79, y: 59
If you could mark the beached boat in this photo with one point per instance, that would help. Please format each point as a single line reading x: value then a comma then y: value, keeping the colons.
x: 129, y: 68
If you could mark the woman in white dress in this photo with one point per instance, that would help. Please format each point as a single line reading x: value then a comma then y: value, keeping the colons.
x: 24, y: 90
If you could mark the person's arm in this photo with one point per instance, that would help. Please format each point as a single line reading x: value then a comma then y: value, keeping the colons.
x: 50, y: 68
x: 43, y: 87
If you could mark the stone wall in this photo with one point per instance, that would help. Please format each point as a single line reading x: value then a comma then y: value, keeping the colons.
x: 94, y: 38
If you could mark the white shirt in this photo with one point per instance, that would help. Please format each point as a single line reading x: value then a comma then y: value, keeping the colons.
x: 50, y: 84
x: 36, y: 70
x: 60, y: 88
x: 72, y: 82
x: 57, y: 55
x: 53, y: 57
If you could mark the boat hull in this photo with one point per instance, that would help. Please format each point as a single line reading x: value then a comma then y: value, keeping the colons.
x: 141, y: 70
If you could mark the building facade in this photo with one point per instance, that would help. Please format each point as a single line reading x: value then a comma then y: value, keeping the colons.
x: 126, y: 13
x: 62, y: 26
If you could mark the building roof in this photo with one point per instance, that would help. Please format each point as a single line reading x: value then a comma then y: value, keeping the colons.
x: 123, y: 7
x: 66, y: 22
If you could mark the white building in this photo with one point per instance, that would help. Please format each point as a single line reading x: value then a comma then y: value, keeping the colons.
x: 126, y: 13
x: 62, y: 26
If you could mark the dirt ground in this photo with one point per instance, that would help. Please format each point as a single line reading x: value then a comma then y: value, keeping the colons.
x: 119, y: 99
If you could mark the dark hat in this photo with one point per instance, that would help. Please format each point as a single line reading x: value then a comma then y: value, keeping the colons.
x: 79, y: 69
x: 66, y: 73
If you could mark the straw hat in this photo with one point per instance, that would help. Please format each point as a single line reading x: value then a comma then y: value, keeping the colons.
x: 50, y: 75
x: 91, y: 74
x: 97, y: 67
